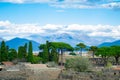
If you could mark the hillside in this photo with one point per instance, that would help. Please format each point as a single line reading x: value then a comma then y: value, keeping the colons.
x: 16, y: 42
x: 105, y: 44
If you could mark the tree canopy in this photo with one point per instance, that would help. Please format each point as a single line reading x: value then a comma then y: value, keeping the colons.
x: 80, y: 47
x: 94, y: 49
x: 51, y: 50
x: 106, y: 52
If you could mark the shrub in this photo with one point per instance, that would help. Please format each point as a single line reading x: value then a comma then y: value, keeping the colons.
x: 36, y: 59
x: 108, y: 65
x: 72, y: 53
x: 79, y: 64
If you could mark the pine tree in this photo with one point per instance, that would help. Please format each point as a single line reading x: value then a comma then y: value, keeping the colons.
x: 30, y: 53
x: 4, y: 55
x: 81, y: 46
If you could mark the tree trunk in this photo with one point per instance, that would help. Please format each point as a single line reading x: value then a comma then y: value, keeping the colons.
x: 93, y: 54
x: 117, y: 59
x: 81, y: 52
x: 105, y: 61
x: 61, y: 57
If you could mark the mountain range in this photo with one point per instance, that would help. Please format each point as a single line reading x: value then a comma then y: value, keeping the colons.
x: 72, y: 39
x: 107, y: 44
x: 64, y: 37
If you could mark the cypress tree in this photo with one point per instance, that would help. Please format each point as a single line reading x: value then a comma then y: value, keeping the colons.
x: 0, y: 55
x: 22, y: 53
x: 30, y: 53
x: 25, y: 46
x: 45, y: 55
x: 4, y: 55
x: 48, y: 45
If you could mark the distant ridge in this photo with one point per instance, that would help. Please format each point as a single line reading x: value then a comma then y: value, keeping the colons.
x: 107, y: 44
x: 16, y: 42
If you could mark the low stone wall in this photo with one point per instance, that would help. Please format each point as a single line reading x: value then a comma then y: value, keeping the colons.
x: 99, y: 75
x: 45, y: 74
x: 13, y: 75
x: 29, y: 72
x: 101, y: 61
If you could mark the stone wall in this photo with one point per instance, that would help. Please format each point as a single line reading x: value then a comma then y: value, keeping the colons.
x: 32, y: 72
x: 12, y: 75
x: 101, y: 61
x: 98, y: 75
x: 45, y: 74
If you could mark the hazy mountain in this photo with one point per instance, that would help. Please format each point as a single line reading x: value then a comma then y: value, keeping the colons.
x: 1, y: 39
x: 110, y: 43
x: 72, y: 39
x: 16, y: 42
x: 69, y: 38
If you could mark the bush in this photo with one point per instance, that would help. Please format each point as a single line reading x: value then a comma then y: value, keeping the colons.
x: 72, y: 53
x: 79, y: 64
x: 36, y: 59
x: 108, y: 65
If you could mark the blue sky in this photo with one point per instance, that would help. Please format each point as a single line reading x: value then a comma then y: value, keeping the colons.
x: 44, y: 13
x: 44, y: 16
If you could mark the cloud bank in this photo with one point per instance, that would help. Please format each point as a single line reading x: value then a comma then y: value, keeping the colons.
x: 73, y: 3
x: 9, y: 30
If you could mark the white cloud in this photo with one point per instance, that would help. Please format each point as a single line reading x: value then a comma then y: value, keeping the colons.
x: 111, y: 5
x: 96, y: 30
x: 5, y: 23
x: 73, y: 3
x: 9, y: 30
x: 52, y: 27
x: 28, y: 1
x: 13, y: 1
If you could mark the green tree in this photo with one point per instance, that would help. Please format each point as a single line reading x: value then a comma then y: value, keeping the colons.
x: 61, y: 47
x: 12, y: 54
x: 94, y: 49
x: 72, y: 53
x: 41, y: 48
x: 44, y: 52
x: 0, y: 55
x: 45, y: 55
x: 21, y: 52
x: 25, y: 46
x: 54, y: 55
x: 4, y: 54
x: 105, y: 53
x: 50, y: 50
x: 81, y: 46
x: 36, y: 59
x: 30, y: 53
x: 116, y: 53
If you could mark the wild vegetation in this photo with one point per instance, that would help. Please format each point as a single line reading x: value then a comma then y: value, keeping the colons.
x: 50, y: 52
x: 23, y: 53
x: 78, y: 64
